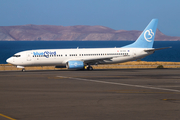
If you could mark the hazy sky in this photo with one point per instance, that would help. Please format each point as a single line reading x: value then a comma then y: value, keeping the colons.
x: 115, y: 14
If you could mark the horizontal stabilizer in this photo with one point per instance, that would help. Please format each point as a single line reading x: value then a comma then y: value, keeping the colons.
x: 154, y: 49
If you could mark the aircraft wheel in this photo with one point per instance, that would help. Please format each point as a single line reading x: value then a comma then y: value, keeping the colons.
x: 23, y: 70
x: 89, y: 68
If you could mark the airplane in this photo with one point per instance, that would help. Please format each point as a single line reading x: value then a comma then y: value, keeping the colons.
x: 82, y: 58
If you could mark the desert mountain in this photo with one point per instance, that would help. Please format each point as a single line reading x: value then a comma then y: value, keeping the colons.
x: 69, y: 33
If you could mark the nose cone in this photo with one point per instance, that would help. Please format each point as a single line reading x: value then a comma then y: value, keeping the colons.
x: 9, y: 60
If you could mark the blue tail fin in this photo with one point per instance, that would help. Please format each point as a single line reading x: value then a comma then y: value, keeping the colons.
x: 146, y: 39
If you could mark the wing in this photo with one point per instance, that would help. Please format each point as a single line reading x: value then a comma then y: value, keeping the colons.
x: 94, y: 61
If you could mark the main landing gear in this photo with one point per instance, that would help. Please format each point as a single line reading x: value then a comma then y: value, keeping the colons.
x: 89, y: 67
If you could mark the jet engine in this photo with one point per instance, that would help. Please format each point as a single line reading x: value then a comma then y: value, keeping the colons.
x: 75, y: 65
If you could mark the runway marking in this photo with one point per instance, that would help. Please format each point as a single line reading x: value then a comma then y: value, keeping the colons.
x: 7, y: 117
x: 122, y: 84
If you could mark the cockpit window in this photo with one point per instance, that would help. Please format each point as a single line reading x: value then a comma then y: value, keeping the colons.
x: 16, y: 55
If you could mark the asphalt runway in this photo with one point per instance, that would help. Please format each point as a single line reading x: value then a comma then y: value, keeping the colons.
x: 113, y: 94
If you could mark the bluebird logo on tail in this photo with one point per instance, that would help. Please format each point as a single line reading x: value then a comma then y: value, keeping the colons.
x: 146, y: 39
x: 148, y: 35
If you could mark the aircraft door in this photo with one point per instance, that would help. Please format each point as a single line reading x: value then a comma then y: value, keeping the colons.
x: 28, y: 57
x: 13, y: 59
x: 134, y: 53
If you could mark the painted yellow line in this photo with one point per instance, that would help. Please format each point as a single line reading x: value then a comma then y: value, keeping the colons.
x: 7, y: 117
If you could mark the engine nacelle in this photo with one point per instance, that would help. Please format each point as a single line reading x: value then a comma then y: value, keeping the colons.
x: 75, y: 65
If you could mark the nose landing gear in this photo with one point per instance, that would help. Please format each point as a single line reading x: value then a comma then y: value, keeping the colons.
x: 23, y: 70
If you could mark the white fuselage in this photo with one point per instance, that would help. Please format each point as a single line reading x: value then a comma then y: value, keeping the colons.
x: 79, y: 58
x: 93, y: 56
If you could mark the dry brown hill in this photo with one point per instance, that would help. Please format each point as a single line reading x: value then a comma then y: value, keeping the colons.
x: 69, y: 33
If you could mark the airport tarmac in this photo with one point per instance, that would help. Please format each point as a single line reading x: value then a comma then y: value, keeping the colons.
x: 138, y: 94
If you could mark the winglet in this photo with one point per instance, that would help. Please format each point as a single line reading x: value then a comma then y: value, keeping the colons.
x: 146, y: 39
